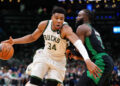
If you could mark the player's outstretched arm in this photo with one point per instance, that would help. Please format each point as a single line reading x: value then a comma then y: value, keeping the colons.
x: 69, y: 34
x: 30, y: 37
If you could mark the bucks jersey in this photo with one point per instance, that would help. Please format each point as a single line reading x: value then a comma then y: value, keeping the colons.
x: 54, y: 44
x: 94, y: 43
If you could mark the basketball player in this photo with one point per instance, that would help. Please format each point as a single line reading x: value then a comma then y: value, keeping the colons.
x: 51, y: 62
x: 93, y: 43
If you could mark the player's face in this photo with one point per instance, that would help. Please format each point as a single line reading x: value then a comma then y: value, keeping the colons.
x: 58, y: 19
x: 80, y: 16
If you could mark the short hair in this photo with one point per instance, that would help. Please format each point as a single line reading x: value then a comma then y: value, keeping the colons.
x: 57, y: 9
x: 89, y: 14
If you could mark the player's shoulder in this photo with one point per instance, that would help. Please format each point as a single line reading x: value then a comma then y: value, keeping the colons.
x: 83, y: 29
x: 66, y: 28
x: 83, y: 26
x: 43, y: 22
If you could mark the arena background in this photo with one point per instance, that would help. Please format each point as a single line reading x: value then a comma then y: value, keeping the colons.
x: 21, y: 17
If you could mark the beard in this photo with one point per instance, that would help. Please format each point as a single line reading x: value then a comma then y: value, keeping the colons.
x: 80, y: 22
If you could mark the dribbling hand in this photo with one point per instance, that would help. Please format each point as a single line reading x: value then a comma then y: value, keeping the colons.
x: 10, y: 41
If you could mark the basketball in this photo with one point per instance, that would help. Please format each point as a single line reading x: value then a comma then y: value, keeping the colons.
x: 6, y: 51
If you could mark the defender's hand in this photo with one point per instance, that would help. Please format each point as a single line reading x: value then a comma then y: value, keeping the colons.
x: 93, y: 69
x: 10, y: 41
x: 77, y: 58
x: 68, y: 53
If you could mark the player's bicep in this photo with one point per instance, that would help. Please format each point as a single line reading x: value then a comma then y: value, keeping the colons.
x: 70, y: 35
x: 38, y: 32
x: 80, y: 35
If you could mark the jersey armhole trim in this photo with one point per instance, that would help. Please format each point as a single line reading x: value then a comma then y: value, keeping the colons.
x: 46, y: 26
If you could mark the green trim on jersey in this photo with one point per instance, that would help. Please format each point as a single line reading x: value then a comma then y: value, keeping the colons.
x: 46, y: 26
x: 88, y: 43
x: 98, y: 37
x: 100, y: 63
x: 89, y: 46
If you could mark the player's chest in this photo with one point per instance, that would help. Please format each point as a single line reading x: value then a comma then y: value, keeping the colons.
x: 52, y: 37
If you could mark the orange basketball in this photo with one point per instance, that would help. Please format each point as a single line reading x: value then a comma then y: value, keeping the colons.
x: 6, y: 51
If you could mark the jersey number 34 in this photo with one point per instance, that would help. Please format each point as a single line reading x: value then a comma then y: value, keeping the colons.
x: 50, y: 46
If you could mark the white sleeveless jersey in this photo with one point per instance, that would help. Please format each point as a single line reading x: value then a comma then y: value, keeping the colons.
x: 54, y: 45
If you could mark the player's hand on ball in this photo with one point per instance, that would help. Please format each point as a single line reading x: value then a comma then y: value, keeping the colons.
x: 93, y: 69
x: 10, y: 41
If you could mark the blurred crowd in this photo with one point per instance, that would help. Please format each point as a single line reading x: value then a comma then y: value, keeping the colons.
x: 14, y: 75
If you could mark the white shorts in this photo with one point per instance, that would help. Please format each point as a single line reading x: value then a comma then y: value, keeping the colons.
x: 44, y: 66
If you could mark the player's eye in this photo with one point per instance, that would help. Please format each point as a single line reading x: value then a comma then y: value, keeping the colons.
x: 61, y: 19
x: 56, y: 18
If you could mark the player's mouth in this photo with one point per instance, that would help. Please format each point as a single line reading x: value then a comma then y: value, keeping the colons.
x: 58, y: 26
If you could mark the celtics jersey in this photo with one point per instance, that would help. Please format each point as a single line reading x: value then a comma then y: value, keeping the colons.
x: 54, y: 44
x: 94, y: 43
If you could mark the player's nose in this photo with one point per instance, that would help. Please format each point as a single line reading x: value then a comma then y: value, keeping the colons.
x: 58, y: 20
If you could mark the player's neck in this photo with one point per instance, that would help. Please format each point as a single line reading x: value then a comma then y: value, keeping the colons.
x: 54, y: 29
x: 87, y: 22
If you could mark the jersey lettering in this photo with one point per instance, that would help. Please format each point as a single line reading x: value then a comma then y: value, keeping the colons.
x: 52, y: 38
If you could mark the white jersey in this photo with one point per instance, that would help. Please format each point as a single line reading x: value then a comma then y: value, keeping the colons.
x: 54, y: 45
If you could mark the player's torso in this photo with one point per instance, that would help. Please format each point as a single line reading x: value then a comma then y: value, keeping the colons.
x: 54, y: 44
x: 94, y: 43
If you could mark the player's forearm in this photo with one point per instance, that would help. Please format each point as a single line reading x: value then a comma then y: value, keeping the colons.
x: 24, y: 40
x: 79, y: 45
